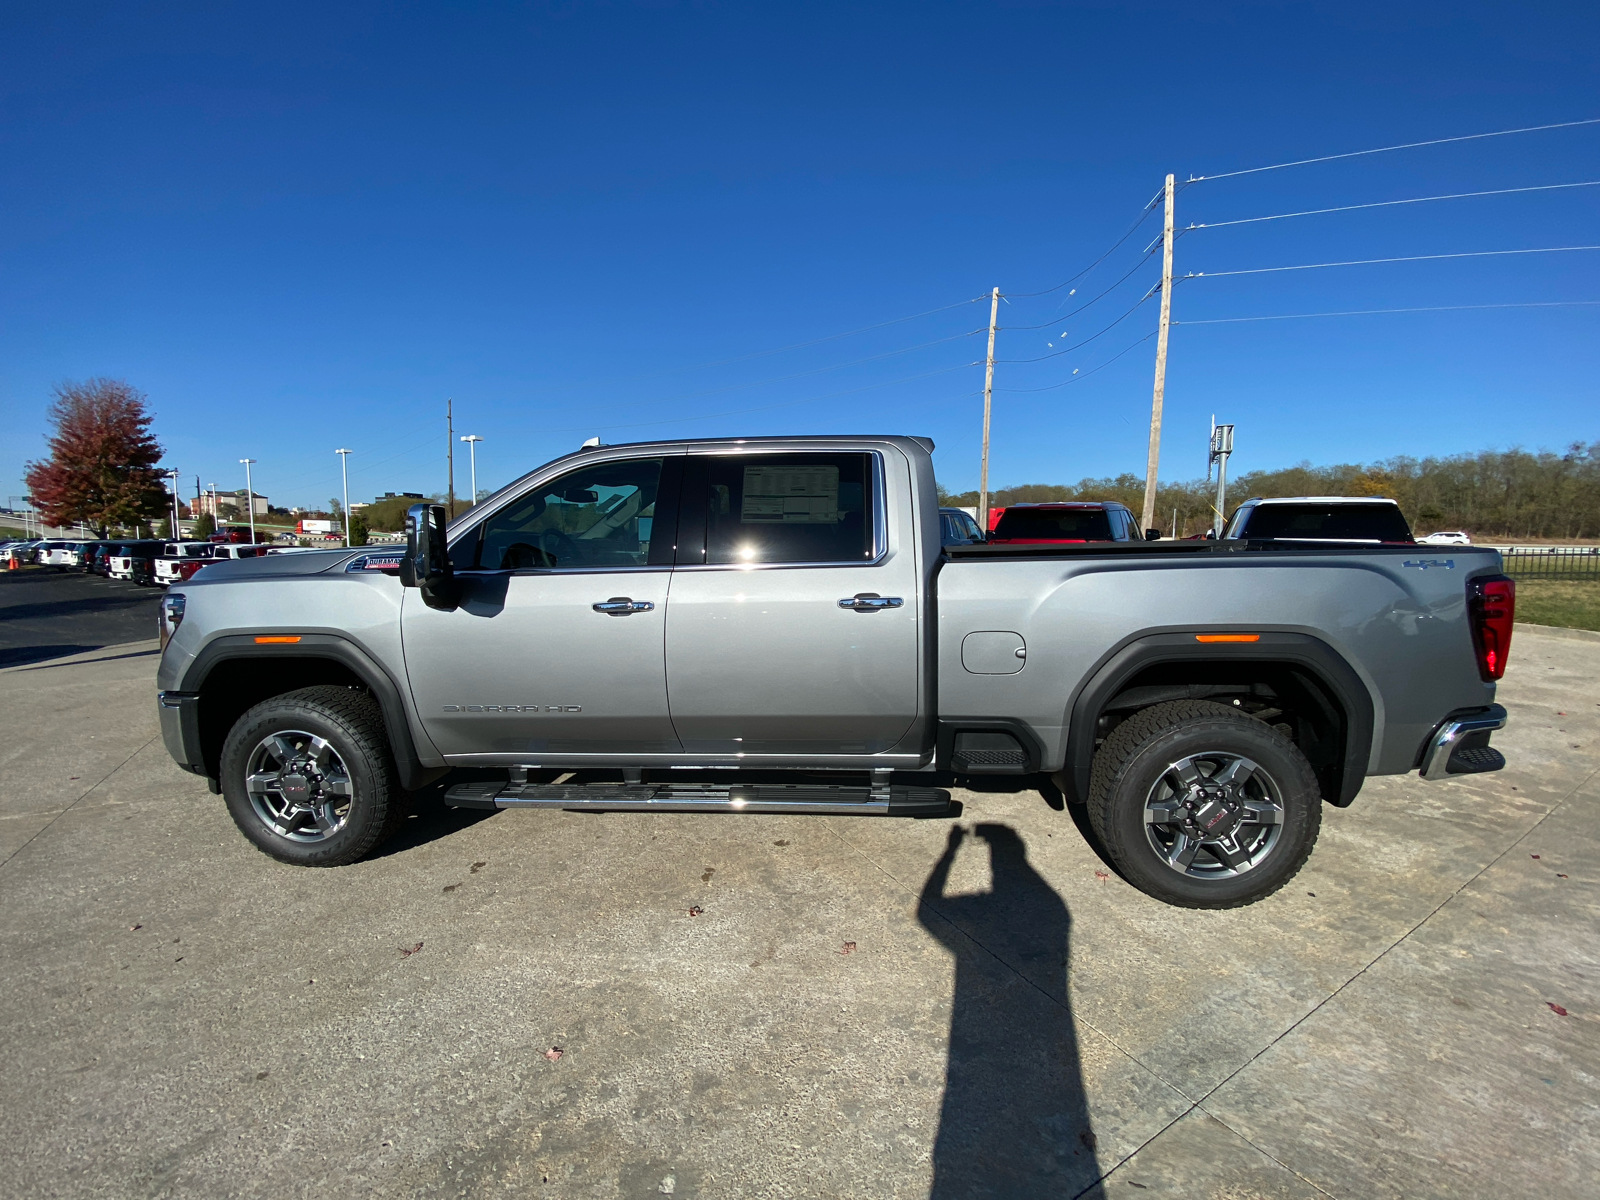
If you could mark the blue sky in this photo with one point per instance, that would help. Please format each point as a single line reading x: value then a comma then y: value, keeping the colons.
x: 304, y: 227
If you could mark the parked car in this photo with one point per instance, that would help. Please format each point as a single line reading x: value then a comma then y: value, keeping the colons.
x: 136, y: 563
x: 1201, y: 708
x: 100, y: 561
x: 86, y: 559
x: 180, y: 560
x: 1455, y: 538
x: 957, y: 528
x: 1320, y: 520
x: 1066, y: 522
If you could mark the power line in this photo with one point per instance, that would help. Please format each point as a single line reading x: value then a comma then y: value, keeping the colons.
x: 1317, y: 212
x: 1087, y: 340
x: 1385, y: 149
x: 721, y: 362
x: 1081, y: 307
x: 768, y: 407
x: 1362, y: 262
x: 1079, y: 378
x: 1143, y: 216
x: 1363, y: 312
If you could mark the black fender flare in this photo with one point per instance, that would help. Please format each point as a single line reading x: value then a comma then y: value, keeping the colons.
x: 1313, y: 655
x: 385, y: 688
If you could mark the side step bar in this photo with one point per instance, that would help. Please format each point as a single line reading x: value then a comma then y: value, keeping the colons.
x: 678, y: 797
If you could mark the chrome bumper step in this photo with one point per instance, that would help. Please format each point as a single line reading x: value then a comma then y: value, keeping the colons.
x: 678, y: 797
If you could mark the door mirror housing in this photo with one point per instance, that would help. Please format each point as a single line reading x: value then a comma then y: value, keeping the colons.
x: 1152, y: 535
x: 426, y: 565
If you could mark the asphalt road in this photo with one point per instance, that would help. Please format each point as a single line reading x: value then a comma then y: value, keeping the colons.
x: 46, y: 614
x: 532, y: 1004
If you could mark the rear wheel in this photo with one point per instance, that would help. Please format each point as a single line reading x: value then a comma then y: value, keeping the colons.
x: 1202, y: 806
x: 309, y: 778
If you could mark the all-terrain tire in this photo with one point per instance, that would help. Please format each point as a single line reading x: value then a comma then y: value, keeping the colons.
x: 1139, y: 754
x: 351, y: 723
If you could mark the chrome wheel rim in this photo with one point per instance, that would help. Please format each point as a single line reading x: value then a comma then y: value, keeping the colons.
x: 298, y: 785
x: 1214, y: 815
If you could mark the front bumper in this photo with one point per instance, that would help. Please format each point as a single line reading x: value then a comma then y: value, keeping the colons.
x: 1461, y: 745
x: 180, y: 729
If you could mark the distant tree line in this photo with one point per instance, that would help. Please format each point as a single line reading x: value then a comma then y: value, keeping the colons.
x: 1493, y: 493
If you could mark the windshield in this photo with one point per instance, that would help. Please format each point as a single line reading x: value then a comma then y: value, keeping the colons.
x: 1054, y: 525
x: 1324, y: 522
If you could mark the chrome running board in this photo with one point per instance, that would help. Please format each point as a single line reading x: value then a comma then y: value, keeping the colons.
x: 691, y: 797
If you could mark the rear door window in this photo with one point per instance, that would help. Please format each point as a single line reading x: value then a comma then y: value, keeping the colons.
x: 779, y: 508
x: 1055, y: 524
x: 1328, y: 522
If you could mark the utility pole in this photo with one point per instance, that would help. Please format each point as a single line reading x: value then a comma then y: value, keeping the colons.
x: 988, y: 394
x: 1221, y: 447
x: 250, y: 498
x: 472, y: 440
x: 450, y: 451
x: 344, y: 470
x: 1154, y: 460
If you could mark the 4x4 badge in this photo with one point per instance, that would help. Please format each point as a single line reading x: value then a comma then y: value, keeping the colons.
x: 1422, y: 564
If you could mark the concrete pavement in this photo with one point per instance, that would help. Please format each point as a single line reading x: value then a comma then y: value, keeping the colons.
x: 859, y: 1008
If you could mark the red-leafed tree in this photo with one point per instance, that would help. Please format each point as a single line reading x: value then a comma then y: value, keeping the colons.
x: 102, y: 464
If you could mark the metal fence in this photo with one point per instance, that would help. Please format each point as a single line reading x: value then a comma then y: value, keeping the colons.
x: 1553, y: 564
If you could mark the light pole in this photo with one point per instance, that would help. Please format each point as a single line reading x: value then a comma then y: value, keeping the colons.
x: 250, y: 498
x: 344, y: 470
x: 174, y: 474
x: 472, y: 441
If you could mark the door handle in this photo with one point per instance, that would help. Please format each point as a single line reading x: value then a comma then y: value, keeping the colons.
x: 870, y: 602
x: 621, y: 606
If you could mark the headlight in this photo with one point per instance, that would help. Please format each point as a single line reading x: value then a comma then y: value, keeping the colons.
x: 171, y: 616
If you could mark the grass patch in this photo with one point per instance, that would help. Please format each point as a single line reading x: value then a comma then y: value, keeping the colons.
x: 1571, y: 603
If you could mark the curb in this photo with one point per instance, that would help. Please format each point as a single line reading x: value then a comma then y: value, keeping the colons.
x: 1557, y: 631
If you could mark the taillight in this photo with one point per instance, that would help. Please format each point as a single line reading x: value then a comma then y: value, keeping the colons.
x: 1492, y: 608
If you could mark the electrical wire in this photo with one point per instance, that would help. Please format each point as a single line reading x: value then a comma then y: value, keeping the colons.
x: 1144, y: 215
x: 1363, y: 312
x: 1081, y: 307
x: 722, y: 362
x: 1079, y: 378
x: 1317, y: 212
x: 1363, y: 262
x: 768, y: 407
x: 1470, y: 137
x: 1087, y: 340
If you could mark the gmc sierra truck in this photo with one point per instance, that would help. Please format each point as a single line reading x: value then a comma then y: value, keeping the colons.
x: 773, y: 625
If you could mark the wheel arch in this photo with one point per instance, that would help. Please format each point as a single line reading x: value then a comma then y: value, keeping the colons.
x: 233, y: 673
x: 1339, y: 705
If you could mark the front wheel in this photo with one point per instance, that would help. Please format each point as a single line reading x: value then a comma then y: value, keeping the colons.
x: 309, y: 778
x: 1202, y: 806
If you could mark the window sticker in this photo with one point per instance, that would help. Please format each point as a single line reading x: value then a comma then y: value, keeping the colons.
x: 807, y: 495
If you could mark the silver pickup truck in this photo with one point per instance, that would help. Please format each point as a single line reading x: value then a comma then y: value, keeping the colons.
x: 773, y: 625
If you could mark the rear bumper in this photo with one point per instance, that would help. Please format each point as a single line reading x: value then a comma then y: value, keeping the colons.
x: 1461, y: 745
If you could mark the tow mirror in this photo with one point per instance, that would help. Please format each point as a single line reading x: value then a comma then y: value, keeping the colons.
x: 426, y: 565
x: 1152, y: 535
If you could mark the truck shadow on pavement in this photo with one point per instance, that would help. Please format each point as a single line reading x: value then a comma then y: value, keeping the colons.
x: 1014, y: 1121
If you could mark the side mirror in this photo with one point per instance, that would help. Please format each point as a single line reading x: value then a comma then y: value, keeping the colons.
x: 1152, y: 535
x: 426, y: 565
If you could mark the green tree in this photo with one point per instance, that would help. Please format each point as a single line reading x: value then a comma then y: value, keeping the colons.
x: 358, y: 530
x: 205, y: 525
